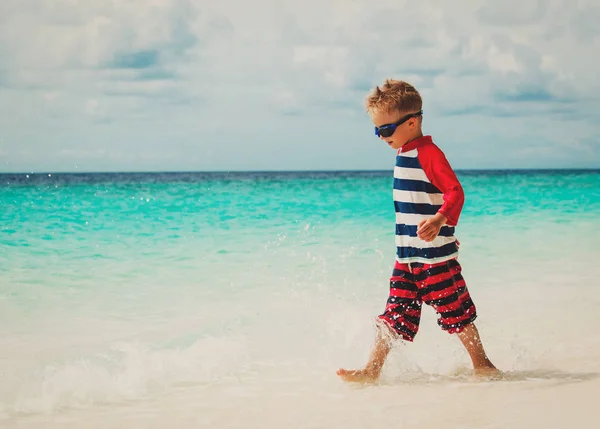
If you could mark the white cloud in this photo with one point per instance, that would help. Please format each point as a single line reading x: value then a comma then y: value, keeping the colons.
x: 513, y: 13
x: 203, y: 80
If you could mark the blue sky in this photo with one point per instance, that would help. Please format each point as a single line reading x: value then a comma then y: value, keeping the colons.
x: 279, y: 85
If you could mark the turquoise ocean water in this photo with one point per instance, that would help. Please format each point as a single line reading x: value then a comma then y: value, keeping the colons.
x: 213, y: 298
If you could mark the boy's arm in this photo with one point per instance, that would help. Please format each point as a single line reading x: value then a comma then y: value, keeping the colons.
x: 442, y: 176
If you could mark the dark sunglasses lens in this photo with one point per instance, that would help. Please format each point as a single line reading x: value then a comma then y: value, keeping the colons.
x: 387, y: 132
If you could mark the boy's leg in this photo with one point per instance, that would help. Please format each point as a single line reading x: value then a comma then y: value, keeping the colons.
x: 470, y: 338
x: 399, y: 320
x: 445, y: 289
x: 372, y: 369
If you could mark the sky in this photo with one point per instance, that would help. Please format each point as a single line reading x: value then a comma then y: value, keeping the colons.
x: 233, y: 85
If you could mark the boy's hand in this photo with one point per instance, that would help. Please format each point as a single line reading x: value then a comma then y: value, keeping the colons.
x: 429, y: 229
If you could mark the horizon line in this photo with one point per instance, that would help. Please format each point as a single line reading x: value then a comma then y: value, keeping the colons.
x: 464, y: 170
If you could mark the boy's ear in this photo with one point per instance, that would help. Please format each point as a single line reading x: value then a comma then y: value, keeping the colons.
x: 414, y: 122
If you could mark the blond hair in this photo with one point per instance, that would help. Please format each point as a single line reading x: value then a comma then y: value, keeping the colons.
x: 394, y: 95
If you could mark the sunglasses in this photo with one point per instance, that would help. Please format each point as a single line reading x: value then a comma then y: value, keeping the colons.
x: 388, y: 129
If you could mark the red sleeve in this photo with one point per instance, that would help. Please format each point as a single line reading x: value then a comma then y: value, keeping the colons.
x: 440, y: 174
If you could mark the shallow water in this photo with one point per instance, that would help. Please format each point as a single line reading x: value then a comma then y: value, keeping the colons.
x: 230, y: 300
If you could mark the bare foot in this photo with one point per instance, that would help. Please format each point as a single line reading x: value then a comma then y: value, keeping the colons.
x: 358, y: 376
x: 490, y: 372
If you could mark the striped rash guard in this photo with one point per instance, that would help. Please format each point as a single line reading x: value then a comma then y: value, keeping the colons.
x: 425, y: 184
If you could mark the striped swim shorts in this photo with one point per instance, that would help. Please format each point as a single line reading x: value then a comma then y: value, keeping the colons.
x: 440, y: 285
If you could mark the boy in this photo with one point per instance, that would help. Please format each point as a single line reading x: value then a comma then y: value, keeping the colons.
x: 428, y: 199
